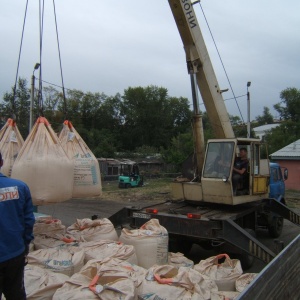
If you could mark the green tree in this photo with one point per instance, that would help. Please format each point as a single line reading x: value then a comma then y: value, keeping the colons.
x: 108, y: 114
x: 150, y: 117
x: 207, y: 128
x: 103, y: 142
x: 289, y: 107
x: 178, y: 151
x: 18, y: 106
x: 146, y: 150
x: 289, y: 129
x: 265, y: 118
x: 71, y: 107
x: 284, y: 134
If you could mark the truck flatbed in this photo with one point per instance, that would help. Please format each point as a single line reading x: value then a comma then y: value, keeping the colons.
x: 207, y: 222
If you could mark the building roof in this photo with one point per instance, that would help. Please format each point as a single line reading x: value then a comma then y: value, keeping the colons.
x: 265, y: 127
x: 289, y: 152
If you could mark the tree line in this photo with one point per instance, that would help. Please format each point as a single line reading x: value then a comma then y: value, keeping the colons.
x: 143, y: 120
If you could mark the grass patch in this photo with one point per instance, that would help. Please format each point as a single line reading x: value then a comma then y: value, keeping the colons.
x: 153, y: 189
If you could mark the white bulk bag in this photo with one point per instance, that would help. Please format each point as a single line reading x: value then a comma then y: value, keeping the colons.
x: 44, y: 166
x: 87, y: 178
x: 168, y: 282
x: 179, y: 260
x: 11, y: 142
x: 106, y: 248
x: 224, y: 295
x: 59, y: 240
x: 62, y: 260
x: 107, y: 279
x: 150, y: 242
x: 41, y: 283
x: 48, y: 227
x: 224, y: 274
x: 244, y: 280
x: 93, y: 230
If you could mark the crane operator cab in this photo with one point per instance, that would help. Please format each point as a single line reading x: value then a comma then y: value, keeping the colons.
x: 233, y: 173
x: 236, y: 164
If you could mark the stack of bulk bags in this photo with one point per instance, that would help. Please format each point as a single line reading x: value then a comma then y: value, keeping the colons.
x: 11, y: 142
x: 87, y: 178
x: 87, y: 230
x: 150, y: 243
x: 44, y: 165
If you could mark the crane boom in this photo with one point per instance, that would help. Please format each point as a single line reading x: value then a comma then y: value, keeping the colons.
x: 199, y: 63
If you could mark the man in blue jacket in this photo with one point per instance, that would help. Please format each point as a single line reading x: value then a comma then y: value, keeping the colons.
x: 16, y: 233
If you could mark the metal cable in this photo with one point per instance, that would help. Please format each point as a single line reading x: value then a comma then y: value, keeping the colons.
x: 15, y: 86
x: 221, y: 61
x: 61, y: 73
x: 41, y: 21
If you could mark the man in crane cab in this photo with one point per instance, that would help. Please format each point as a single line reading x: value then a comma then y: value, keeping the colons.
x: 240, y: 173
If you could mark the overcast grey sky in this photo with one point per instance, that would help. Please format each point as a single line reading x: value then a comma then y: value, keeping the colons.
x: 108, y: 46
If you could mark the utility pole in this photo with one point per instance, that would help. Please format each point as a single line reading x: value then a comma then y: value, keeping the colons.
x: 37, y: 65
x: 248, y: 109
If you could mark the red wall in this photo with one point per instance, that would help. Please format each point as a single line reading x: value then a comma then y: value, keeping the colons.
x: 293, y: 182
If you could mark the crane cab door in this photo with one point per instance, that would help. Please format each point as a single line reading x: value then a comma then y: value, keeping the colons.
x: 219, y: 184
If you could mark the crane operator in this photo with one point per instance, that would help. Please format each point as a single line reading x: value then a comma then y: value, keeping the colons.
x: 240, y: 169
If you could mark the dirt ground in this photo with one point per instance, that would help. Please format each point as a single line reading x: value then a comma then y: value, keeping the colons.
x: 160, y: 189
x: 113, y: 199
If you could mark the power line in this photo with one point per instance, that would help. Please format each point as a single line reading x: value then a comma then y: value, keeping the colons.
x: 234, y: 97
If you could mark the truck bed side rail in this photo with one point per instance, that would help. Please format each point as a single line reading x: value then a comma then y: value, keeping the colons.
x: 236, y: 235
x: 279, y: 279
x: 282, y: 210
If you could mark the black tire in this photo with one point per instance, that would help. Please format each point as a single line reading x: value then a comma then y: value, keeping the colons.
x: 275, y: 227
x: 246, y: 259
x: 127, y: 186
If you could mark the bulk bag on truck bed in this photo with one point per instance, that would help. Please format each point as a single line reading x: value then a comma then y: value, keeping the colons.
x: 41, y: 283
x: 11, y: 142
x: 150, y: 242
x: 49, y: 227
x: 44, y: 166
x: 224, y: 274
x: 87, y: 178
x: 62, y: 260
x: 167, y: 282
x: 106, y: 279
x: 106, y: 248
x: 87, y: 230
x: 179, y: 260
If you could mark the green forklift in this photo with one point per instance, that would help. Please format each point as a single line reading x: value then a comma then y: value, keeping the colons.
x: 130, y: 175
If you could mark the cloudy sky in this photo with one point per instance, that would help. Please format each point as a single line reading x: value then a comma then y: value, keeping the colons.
x: 108, y: 46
